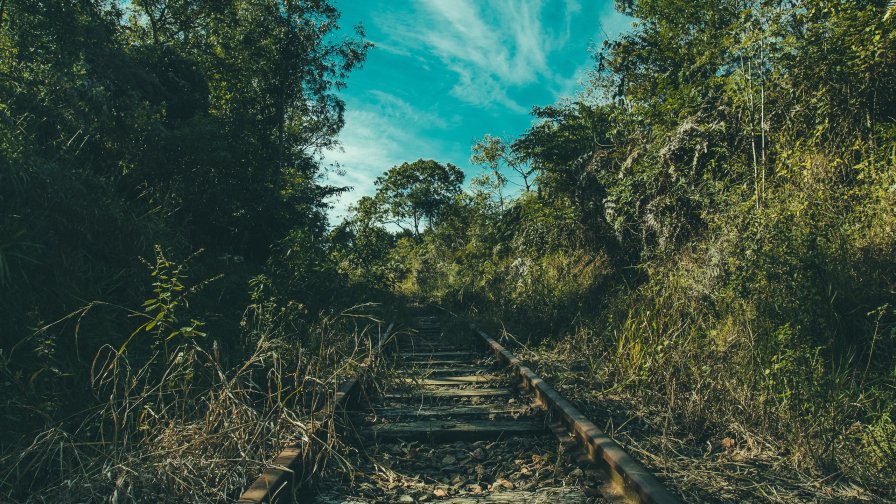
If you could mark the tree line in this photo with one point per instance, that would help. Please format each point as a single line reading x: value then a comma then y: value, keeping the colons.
x: 163, y: 240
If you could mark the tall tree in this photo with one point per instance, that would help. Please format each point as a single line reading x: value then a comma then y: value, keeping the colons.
x: 271, y: 69
x: 417, y: 192
x: 186, y: 123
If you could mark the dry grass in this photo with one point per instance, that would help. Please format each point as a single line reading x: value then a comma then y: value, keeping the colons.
x: 180, y: 428
x: 705, y: 463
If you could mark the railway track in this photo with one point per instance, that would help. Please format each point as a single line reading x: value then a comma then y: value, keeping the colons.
x: 459, y: 424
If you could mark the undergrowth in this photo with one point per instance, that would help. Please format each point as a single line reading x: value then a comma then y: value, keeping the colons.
x: 170, y: 418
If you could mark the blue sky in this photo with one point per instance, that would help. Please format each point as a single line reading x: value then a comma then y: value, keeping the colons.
x: 446, y: 72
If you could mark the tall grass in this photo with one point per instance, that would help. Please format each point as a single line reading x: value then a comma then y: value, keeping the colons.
x: 176, y: 416
x: 775, y: 333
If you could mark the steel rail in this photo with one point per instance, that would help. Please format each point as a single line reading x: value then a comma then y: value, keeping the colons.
x: 277, y: 482
x: 636, y: 482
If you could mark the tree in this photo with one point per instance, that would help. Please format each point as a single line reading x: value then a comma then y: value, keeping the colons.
x: 193, y: 124
x: 360, y: 244
x: 493, y: 152
x: 247, y: 91
x: 418, y: 192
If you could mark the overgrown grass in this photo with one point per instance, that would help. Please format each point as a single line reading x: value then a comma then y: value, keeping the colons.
x: 174, y: 416
x: 756, y: 363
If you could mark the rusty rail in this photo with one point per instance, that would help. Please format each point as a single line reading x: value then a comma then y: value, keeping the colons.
x: 277, y: 481
x: 636, y: 481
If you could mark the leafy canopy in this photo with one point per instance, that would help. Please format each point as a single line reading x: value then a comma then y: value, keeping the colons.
x: 414, y: 193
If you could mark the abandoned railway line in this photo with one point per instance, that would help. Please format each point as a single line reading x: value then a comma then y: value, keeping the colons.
x: 459, y: 420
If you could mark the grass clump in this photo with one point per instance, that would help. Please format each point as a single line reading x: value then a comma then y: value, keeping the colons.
x: 170, y: 416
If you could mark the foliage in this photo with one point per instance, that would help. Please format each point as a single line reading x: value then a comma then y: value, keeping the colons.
x: 712, y: 217
x: 418, y: 191
x: 209, y: 419
x: 361, y: 245
x: 154, y: 129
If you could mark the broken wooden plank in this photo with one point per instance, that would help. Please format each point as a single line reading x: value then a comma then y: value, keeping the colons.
x: 431, y: 371
x: 447, y: 381
x: 460, y: 380
x: 440, y: 430
x: 423, y: 363
x: 415, y: 348
x: 564, y: 495
x: 450, y: 411
x: 428, y: 355
x: 443, y: 393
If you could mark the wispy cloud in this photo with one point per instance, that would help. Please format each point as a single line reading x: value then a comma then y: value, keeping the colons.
x: 379, y: 133
x: 393, y: 107
x: 370, y: 145
x: 491, y: 47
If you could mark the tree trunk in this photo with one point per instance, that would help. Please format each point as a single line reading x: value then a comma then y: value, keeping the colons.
x: 153, y: 24
x: 762, y: 125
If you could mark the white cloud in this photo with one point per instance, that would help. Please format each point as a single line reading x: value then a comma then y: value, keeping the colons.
x: 378, y: 134
x: 396, y: 108
x: 493, y: 48
x: 489, y: 46
x: 360, y: 183
x: 483, y: 91
x: 370, y: 145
